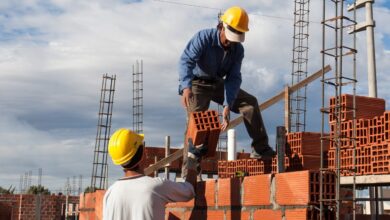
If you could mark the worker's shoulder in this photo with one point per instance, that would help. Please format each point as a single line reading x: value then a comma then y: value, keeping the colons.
x: 207, y: 33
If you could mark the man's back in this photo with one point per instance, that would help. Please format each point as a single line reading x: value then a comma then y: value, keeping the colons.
x: 143, y: 197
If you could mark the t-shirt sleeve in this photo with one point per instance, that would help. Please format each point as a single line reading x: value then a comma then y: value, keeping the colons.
x: 174, y: 191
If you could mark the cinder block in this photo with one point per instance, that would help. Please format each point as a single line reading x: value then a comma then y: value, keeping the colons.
x: 366, y: 107
x: 296, y: 214
x: 236, y: 214
x: 99, y: 195
x: 268, y: 214
x: 292, y: 188
x: 205, y: 193
x: 228, y: 192
x: 256, y: 190
x: 301, y: 187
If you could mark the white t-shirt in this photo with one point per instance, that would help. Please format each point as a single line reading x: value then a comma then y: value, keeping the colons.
x: 143, y: 198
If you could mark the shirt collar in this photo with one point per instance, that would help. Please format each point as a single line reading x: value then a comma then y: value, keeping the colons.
x: 217, y: 41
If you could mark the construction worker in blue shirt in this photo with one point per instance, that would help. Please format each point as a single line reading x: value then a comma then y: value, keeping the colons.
x: 210, y: 70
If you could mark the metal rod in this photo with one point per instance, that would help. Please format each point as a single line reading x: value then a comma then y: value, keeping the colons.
x: 167, y: 152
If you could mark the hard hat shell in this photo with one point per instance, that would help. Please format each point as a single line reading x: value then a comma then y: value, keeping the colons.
x: 123, y: 145
x: 237, y: 18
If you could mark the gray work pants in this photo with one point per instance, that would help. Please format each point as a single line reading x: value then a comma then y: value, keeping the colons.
x: 245, y: 103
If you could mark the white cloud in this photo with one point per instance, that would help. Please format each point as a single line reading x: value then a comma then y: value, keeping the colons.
x: 52, y: 57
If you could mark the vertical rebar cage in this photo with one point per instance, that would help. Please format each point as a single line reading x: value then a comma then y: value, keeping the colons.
x: 335, y: 49
x: 299, y: 65
x: 99, y: 178
x: 138, y: 97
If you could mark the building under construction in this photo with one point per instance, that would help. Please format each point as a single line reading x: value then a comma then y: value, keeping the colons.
x: 337, y: 173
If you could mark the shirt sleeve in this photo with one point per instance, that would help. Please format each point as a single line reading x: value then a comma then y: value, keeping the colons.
x: 175, y: 191
x: 233, y: 80
x: 188, y: 59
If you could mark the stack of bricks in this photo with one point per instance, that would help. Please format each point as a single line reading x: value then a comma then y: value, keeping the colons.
x: 250, y: 167
x: 372, y: 136
x: 252, y: 197
x: 204, y: 127
x: 303, y: 152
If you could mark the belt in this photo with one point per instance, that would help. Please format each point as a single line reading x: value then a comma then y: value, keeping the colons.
x: 213, y: 80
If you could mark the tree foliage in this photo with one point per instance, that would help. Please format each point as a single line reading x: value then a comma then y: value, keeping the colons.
x: 10, y: 190
x: 38, y: 190
x: 90, y: 189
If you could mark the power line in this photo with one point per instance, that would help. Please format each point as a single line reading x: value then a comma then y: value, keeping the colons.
x: 219, y: 9
x: 186, y: 4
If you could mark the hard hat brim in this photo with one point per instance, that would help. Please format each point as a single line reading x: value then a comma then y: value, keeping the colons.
x: 232, y: 36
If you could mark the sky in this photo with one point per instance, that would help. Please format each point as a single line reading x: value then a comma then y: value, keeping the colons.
x: 53, y: 54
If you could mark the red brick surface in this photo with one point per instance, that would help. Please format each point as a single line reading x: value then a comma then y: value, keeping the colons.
x: 205, y: 193
x: 256, y: 190
x: 91, y: 205
x: 293, y: 188
x: 204, y: 127
x: 296, y: 214
x: 228, y: 192
x: 267, y: 214
x: 372, y: 137
x: 25, y: 206
x: 366, y: 107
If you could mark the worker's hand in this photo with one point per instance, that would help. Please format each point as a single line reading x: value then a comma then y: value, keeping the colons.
x: 226, y: 118
x: 198, y: 151
x: 186, y: 97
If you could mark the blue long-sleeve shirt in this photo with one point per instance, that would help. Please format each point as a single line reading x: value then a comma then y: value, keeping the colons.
x: 203, y: 57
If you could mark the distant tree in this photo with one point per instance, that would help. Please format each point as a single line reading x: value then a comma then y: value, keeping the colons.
x: 90, y: 189
x: 10, y: 190
x: 38, y: 190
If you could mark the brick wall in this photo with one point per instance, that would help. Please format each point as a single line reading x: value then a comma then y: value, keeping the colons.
x: 44, y: 207
x: 268, y: 196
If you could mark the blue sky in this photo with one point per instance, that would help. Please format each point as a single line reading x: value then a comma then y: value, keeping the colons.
x: 53, y: 54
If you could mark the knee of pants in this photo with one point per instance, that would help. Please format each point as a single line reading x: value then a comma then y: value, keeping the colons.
x: 251, y: 100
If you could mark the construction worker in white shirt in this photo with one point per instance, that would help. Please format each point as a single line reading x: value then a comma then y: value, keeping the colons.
x: 136, y: 196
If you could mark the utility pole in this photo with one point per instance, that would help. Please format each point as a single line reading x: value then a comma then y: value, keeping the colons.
x: 367, y: 26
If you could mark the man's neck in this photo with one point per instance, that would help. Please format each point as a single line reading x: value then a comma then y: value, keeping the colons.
x: 132, y: 173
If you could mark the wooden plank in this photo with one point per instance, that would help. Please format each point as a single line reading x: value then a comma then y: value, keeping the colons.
x: 280, y: 96
x: 179, y: 153
x: 172, y: 157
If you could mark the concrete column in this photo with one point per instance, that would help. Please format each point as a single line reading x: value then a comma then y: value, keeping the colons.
x: 371, y: 63
x: 231, y: 144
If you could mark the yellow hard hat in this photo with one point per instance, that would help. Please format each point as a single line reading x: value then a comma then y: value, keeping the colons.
x: 237, y: 18
x: 123, y: 145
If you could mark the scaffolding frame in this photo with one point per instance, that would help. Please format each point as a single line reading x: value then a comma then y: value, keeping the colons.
x: 299, y: 65
x: 99, y: 178
x: 138, y: 97
x: 338, y: 51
